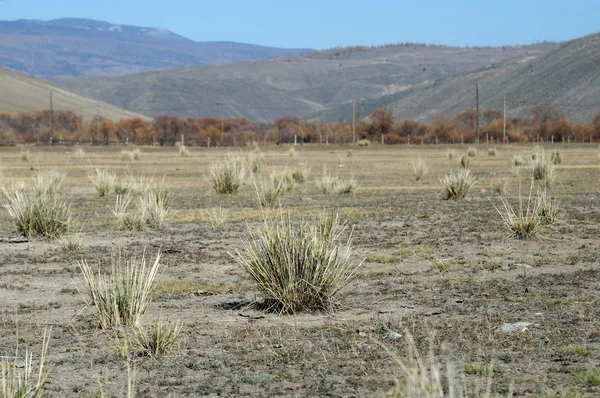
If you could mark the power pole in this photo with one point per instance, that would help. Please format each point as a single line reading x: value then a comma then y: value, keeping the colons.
x: 477, y: 101
x: 353, y: 122
x: 51, y: 135
x: 504, y: 125
x: 97, y: 123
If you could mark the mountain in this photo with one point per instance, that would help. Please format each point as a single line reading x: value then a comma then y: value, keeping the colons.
x: 23, y: 93
x: 567, y: 78
x: 82, y: 47
x: 295, y: 85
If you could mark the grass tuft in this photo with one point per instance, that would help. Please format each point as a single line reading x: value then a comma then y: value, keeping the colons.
x: 543, y: 170
x: 157, y: 339
x: 184, y: 152
x: 217, y: 217
x: 299, y: 266
x: 556, y: 157
x: 102, y: 180
x: 329, y: 184
x: 523, y: 222
x: 420, y: 169
x: 465, y: 162
x: 471, y: 151
x: 492, y: 151
x: 456, y: 186
x: 227, y: 177
x: 120, y: 297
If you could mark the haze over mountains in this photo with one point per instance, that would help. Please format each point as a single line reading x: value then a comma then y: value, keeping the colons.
x: 82, y: 47
x: 293, y: 85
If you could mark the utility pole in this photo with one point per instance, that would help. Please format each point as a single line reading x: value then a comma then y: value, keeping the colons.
x: 97, y: 123
x: 477, y: 101
x: 504, y: 125
x: 51, y: 118
x: 353, y: 122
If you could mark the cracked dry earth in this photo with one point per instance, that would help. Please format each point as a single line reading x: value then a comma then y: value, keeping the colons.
x: 441, y: 270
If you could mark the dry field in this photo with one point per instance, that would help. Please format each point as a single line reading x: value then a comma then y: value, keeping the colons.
x: 442, y: 271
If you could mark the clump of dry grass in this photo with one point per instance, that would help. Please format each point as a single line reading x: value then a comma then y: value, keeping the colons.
x: 127, y: 156
x: 517, y: 160
x: 471, y: 151
x: 79, y: 153
x: 543, y: 170
x: 184, y: 152
x: 227, y: 177
x: 217, y: 217
x: 500, y: 185
x: 492, y: 151
x: 456, y: 186
x: 102, y: 180
x: 420, y: 169
x: 38, y: 210
x: 120, y: 297
x: 18, y: 381
x: 450, y: 154
x: 151, y: 210
x: 24, y: 155
x: 299, y: 266
x: 549, y: 209
x: 329, y: 184
x: 157, y: 339
x: 465, y: 162
x: 524, y: 221
x: 269, y: 191
x: 292, y: 152
x: 556, y: 157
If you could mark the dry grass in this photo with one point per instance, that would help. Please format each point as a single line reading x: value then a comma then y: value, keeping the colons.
x: 227, y: 177
x: 523, y: 221
x: 157, y: 339
x: 102, y: 180
x: 121, y: 297
x: 456, y: 186
x: 299, y: 266
x: 420, y: 169
x: 329, y: 184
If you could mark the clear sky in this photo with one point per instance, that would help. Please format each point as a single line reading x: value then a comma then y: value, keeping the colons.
x: 329, y: 23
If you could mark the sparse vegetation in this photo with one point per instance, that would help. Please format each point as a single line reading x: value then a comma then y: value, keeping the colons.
x: 491, y: 151
x: 157, y: 339
x: 329, y: 184
x: 24, y: 155
x: 556, y: 157
x: 456, y: 186
x: 217, y: 217
x: 523, y: 221
x: 103, y: 180
x: 543, y: 170
x: 227, y: 177
x: 465, y: 162
x: 127, y: 156
x: 299, y: 266
x: 120, y: 297
x: 548, y: 208
x: 184, y: 152
x: 420, y: 169
x: 471, y: 151
x: 500, y: 185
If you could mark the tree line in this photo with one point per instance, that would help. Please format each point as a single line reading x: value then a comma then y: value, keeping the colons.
x: 545, y: 124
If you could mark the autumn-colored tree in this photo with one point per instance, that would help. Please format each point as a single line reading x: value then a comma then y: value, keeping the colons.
x: 168, y: 129
x: 443, y: 128
x: 382, y: 122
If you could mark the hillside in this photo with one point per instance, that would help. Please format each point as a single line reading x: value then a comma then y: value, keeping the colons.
x: 567, y: 78
x: 293, y: 85
x: 22, y: 93
x: 81, y: 47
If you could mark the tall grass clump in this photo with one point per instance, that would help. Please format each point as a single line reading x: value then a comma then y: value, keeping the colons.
x: 102, y: 180
x: 432, y: 378
x: 18, y: 381
x: 299, y: 266
x: 24, y: 155
x: 517, y: 160
x: 269, y: 191
x: 120, y: 297
x: 465, y: 162
x: 39, y: 210
x: 79, y: 153
x: 227, y: 177
x: 184, y: 152
x: 549, y: 209
x: 157, y: 339
x: 500, y: 185
x: 450, y: 154
x: 471, y: 151
x: 543, y: 170
x: 127, y: 156
x: 137, y: 154
x: 420, y: 169
x: 556, y: 157
x: 329, y: 184
x: 456, y: 186
x: 364, y: 142
x: 217, y: 217
x: 292, y: 152
x: 523, y: 221
x: 492, y: 151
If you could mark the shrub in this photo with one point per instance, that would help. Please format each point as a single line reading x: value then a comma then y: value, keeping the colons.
x: 121, y: 297
x: 363, y: 143
x: 548, y: 208
x: 127, y: 156
x: 17, y: 381
x: 184, y: 152
x: 299, y: 176
x: 471, y: 151
x: 543, y: 171
x: 329, y: 184
x: 522, y: 222
x: 465, y: 162
x: 103, y: 180
x: 299, y: 267
x: 456, y: 186
x: 37, y: 213
x: 228, y: 176
x: 556, y: 157
x: 292, y: 152
x: 157, y: 339
x: 420, y: 169
x: 25, y: 155
x: 492, y: 151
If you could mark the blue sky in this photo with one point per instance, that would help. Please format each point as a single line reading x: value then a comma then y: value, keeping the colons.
x: 331, y: 23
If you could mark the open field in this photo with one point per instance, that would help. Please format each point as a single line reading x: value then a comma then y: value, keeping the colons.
x: 431, y: 267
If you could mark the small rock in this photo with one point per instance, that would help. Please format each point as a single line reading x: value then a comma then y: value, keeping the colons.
x: 393, y: 335
x: 517, y: 327
x: 519, y: 265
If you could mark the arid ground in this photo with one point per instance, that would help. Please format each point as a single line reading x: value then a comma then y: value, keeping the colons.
x: 440, y: 270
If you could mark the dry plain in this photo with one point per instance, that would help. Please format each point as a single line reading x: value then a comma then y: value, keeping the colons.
x: 432, y: 268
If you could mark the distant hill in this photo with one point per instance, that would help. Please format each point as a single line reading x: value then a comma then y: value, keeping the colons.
x: 295, y: 85
x: 82, y: 47
x: 22, y: 93
x: 567, y: 78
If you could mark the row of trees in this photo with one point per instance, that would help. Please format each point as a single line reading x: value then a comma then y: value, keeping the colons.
x: 66, y: 127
